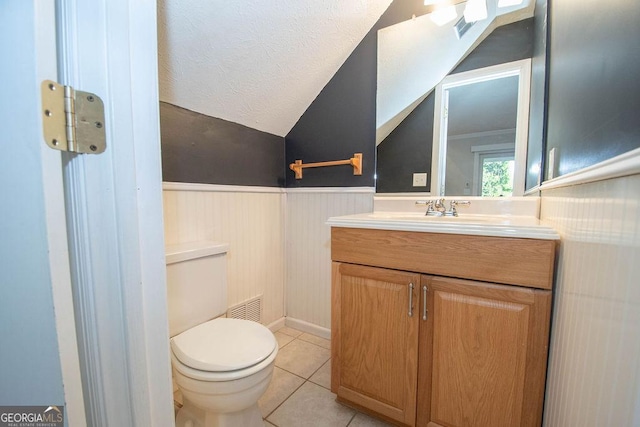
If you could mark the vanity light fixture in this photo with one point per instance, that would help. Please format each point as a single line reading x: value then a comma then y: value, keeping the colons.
x: 507, y: 3
x: 444, y: 15
x: 475, y: 10
x: 433, y: 5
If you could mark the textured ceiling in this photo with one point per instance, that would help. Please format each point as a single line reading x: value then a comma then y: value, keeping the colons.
x: 257, y: 63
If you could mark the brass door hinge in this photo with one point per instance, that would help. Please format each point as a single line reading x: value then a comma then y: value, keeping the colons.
x: 72, y: 120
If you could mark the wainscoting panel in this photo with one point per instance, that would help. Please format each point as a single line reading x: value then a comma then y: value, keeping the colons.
x: 594, y: 368
x: 308, y: 249
x: 250, y: 220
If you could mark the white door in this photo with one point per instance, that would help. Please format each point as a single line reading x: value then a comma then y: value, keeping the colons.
x: 40, y: 364
x: 112, y: 249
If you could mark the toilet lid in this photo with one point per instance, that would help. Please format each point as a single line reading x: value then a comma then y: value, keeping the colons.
x: 221, y: 345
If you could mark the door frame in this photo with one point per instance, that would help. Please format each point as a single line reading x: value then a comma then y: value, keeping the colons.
x: 114, y: 214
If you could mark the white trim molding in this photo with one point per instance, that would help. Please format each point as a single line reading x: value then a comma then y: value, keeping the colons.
x: 114, y: 215
x: 522, y: 69
x: 218, y: 188
x: 488, y: 133
x: 311, y: 328
x: 394, y: 196
x: 534, y: 191
x: 622, y: 165
x: 276, y: 324
x: 370, y: 190
x: 188, y: 186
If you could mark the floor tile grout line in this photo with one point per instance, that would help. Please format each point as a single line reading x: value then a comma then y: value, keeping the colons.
x: 307, y: 380
x: 312, y: 374
x: 304, y: 380
x: 311, y: 342
x: 280, y: 348
x: 283, y: 332
x: 355, y: 414
x: 282, y: 403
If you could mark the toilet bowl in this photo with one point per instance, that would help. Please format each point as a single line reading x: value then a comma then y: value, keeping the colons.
x: 221, y: 366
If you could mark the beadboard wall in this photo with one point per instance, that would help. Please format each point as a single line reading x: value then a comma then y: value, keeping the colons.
x: 594, y: 370
x: 250, y: 220
x: 254, y: 221
x: 308, y: 249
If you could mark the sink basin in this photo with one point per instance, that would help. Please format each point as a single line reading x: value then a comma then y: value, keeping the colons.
x: 474, y: 224
x: 461, y: 218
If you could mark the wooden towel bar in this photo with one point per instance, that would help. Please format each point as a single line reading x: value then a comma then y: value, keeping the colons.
x: 355, y: 161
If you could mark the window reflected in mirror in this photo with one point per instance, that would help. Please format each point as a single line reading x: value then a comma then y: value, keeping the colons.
x: 480, y: 132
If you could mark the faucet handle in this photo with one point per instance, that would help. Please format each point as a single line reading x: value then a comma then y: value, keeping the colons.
x: 429, y: 204
x: 454, y: 203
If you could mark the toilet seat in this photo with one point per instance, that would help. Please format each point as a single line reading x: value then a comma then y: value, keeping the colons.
x: 206, y: 376
x: 223, y: 349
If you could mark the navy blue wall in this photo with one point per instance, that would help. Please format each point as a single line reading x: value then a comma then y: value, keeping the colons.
x: 594, y: 81
x: 341, y: 121
x: 202, y: 149
x: 588, y: 111
x: 407, y: 150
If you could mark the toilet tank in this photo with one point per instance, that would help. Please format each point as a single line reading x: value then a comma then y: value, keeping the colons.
x: 196, y: 283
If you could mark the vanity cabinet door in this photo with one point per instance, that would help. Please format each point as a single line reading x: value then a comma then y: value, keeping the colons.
x: 374, y: 339
x: 483, y: 354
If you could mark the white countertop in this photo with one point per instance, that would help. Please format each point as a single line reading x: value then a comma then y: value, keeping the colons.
x: 480, y: 225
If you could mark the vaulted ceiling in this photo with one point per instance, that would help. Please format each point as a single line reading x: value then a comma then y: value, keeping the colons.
x: 257, y: 63
x: 262, y: 63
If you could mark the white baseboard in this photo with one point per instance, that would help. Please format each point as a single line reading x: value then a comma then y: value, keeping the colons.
x: 274, y: 326
x: 301, y: 325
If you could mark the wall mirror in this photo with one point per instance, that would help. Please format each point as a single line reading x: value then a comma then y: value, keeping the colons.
x: 481, y: 126
x: 419, y: 61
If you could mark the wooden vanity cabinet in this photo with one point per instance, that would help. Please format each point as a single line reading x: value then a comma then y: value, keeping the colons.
x: 479, y: 359
x: 374, y: 341
x: 482, y: 354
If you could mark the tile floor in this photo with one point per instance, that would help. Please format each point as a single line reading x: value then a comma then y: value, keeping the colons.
x: 299, y: 394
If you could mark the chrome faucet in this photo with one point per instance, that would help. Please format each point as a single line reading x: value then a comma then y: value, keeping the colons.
x: 437, y: 207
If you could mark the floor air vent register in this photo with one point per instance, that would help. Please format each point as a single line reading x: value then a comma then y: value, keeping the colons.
x: 250, y: 309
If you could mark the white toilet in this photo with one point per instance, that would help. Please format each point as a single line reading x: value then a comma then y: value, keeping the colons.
x: 221, y: 366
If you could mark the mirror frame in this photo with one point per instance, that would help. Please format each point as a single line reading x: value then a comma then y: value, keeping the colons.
x: 522, y: 69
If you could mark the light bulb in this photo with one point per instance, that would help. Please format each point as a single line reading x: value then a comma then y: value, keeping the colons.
x: 476, y: 10
x: 444, y: 15
x: 507, y: 3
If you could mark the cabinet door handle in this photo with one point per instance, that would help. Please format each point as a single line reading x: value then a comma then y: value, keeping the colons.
x: 410, y: 299
x: 424, y: 302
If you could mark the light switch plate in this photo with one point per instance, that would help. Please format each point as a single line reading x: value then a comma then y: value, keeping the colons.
x: 420, y: 179
x: 552, y: 164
